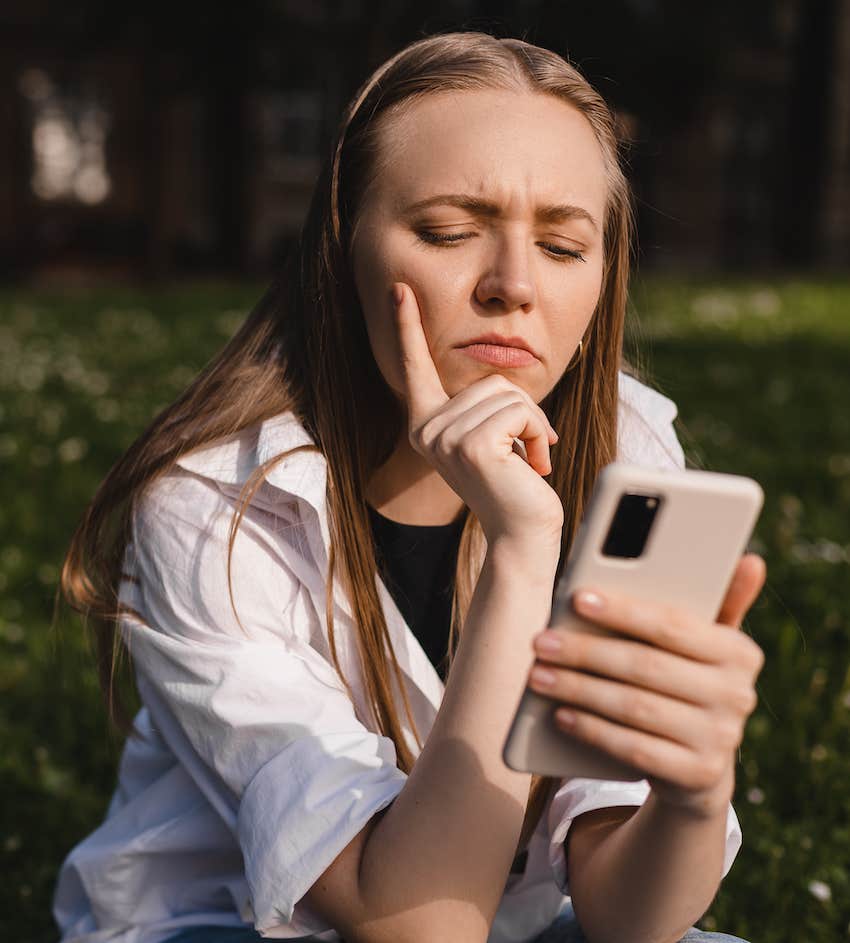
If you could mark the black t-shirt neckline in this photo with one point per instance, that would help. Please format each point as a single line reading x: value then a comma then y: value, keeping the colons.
x: 417, y: 564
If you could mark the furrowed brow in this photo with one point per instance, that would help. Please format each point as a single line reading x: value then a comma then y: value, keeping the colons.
x: 547, y: 213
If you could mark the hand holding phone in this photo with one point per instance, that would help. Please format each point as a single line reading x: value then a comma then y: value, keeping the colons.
x: 661, y: 678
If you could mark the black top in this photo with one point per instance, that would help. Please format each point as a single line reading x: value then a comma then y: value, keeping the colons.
x: 417, y: 564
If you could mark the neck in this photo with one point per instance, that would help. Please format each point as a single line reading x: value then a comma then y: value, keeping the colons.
x: 408, y: 490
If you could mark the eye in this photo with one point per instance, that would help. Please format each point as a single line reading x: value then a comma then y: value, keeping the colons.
x: 445, y: 239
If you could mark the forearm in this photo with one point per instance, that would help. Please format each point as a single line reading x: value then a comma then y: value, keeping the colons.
x: 652, y: 877
x: 436, y: 864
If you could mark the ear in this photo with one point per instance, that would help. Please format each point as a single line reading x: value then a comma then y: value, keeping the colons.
x: 744, y: 588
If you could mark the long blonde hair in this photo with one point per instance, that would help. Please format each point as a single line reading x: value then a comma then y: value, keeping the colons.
x: 304, y: 348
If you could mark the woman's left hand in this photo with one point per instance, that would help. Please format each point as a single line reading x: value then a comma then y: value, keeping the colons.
x: 673, y: 702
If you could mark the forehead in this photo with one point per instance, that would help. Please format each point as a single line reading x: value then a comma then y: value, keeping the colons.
x: 512, y: 147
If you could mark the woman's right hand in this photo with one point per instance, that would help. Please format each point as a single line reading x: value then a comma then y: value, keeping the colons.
x: 469, y: 439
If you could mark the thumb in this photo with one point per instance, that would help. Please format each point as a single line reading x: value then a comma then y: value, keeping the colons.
x: 744, y: 588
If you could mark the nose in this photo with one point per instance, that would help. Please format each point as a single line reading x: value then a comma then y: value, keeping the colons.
x: 507, y: 281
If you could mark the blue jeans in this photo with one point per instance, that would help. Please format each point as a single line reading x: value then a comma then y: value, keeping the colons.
x: 563, y: 929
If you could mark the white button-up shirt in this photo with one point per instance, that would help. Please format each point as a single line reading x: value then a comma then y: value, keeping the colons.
x: 253, y: 768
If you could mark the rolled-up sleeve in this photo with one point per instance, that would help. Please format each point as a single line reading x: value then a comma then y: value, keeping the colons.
x: 259, y: 718
x: 579, y: 795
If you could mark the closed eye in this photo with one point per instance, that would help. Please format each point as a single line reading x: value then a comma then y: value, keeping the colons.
x: 444, y: 239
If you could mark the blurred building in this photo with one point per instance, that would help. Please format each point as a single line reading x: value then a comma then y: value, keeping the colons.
x: 181, y: 138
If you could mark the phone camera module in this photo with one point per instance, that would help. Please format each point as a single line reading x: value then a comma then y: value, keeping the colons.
x: 631, y: 525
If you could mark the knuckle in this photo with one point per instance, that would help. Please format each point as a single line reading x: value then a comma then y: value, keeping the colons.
x: 757, y: 654
x: 416, y: 437
x: 728, y: 733
x: 638, y: 755
x: 570, y: 683
x: 670, y: 619
x: 744, y: 700
x: 715, y: 765
x: 517, y: 405
x: 637, y: 707
x: 496, y: 381
x: 443, y: 445
x: 468, y: 449
x: 576, y: 648
x: 667, y: 630
x: 647, y: 665
x: 428, y: 432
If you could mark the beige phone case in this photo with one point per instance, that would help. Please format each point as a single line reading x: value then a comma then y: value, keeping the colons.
x: 698, y: 535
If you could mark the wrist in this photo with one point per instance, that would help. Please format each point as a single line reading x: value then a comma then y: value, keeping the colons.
x: 535, y: 560
x: 703, y: 804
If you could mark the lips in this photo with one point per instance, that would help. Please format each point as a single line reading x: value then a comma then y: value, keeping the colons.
x: 502, y: 341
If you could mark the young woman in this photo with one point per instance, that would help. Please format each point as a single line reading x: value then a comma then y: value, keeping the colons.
x: 331, y: 561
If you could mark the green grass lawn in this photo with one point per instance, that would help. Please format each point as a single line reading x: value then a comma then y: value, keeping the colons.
x: 761, y: 374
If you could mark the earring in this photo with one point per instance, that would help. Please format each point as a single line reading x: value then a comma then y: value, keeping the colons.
x: 571, y: 365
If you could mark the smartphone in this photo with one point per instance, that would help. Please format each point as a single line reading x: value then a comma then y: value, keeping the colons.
x: 670, y: 536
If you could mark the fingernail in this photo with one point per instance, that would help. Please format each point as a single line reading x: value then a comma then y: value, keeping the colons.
x: 398, y: 294
x: 548, y: 642
x: 590, y: 601
x: 565, y: 716
x: 542, y: 676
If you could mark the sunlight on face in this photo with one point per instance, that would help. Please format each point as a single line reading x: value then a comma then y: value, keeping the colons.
x: 511, y: 268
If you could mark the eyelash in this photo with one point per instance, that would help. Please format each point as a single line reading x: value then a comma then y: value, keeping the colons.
x: 433, y: 238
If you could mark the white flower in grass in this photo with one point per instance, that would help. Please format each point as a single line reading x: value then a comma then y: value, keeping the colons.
x: 820, y: 890
x: 755, y: 795
x: 716, y: 307
x: 765, y: 302
x: 73, y: 449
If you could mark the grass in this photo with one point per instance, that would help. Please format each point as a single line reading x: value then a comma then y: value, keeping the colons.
x: 761, y: 374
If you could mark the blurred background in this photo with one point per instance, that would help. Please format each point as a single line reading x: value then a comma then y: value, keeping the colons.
x: 156, y: 161
x: 159, y: 139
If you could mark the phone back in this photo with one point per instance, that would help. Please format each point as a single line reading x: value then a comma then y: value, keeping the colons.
x: 703, y: 523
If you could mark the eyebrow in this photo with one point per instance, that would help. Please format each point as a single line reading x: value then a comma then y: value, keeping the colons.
x: 546, y: 213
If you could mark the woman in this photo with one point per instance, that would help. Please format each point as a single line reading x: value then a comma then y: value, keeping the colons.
x: 338, y: 508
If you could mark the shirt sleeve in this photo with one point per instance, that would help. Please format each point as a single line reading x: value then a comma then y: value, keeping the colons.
x: 645, y: 432
x: 576, y: 796
x: 259, y: 718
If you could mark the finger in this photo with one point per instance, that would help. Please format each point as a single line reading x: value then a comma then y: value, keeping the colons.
x: 746, y: 584
x: 635, y: 663
x: 551, y: 435
x: 470, y: 419
x: 665, y: 626
x: 424, y: 390
x: 636, y: 707
x: 654, y: 756
x: 522, y: 431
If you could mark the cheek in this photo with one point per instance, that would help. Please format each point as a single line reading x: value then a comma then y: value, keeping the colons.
x: 571, y: 322
x: 587, y: 292
x: 375, y: 271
